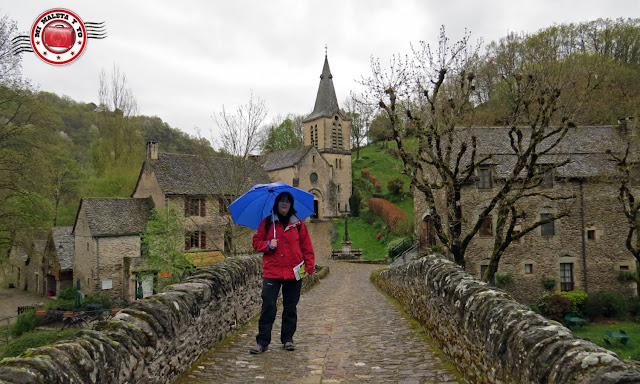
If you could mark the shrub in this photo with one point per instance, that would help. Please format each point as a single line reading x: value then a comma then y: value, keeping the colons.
x: 548, y: 283
x: 26, y: 322
x: 391, y: 214
x: 504, y: 279
x: 103, y: 300
x: 577, y: 297
x: 62, y: 305
x: 395, y: 185
x: 354, y: 202
x: 605, y: 304
x: 374, y: 180
x: 397, y: 246
x: 36, y: 339
x: 68, y: 293
x: 556, y: 307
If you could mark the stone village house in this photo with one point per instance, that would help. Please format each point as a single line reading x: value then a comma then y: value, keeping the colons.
x: 585, y: 250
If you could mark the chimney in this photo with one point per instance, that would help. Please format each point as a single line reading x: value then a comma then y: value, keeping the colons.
x: 152, y: 150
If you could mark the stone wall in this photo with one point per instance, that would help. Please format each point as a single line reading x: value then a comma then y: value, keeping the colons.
x: 155, y: 339
x: 489, y: 336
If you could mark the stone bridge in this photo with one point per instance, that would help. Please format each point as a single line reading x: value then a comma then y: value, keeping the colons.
x: 200, y: 331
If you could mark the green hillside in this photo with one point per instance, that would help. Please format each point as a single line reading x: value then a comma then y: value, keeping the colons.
x: 381, y: 161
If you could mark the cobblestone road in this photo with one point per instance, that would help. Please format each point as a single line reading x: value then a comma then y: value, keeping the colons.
x: 348, y: 332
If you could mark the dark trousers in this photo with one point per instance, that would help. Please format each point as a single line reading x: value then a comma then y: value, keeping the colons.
x: 290, y: 298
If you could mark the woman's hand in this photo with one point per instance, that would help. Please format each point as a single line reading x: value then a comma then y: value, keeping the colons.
x: 273, y: 243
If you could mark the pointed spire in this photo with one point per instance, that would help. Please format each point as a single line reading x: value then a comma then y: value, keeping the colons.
x: 326, y: 100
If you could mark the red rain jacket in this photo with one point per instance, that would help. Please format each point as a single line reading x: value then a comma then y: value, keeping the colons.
x: 293, y: 246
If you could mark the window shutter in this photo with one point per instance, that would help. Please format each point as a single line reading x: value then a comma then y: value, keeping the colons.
x: 186, y: 206
x: 187, y: 242
x: 203, y: 240
x: 203, y: 207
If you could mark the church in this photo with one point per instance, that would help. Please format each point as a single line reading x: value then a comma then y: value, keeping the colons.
x: 323, y: 165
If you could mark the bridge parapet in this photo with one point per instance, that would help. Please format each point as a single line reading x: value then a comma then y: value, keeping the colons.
x: 154, y: 339
x: 490, y: 337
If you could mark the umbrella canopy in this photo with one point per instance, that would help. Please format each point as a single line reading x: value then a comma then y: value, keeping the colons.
x: 250, y: 208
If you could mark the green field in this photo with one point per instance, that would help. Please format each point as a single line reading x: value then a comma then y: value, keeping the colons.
x: 596, y: 333
x: 382, y: 163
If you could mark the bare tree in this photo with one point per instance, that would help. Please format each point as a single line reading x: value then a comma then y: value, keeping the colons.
x: 361, y: 116
x: 119, y: 140
x: 234, y: 169
x: 239, y: 131
x: 10, y: 63
x: 435, y: 92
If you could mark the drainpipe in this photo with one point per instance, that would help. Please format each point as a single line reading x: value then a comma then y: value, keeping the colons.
x: 584, y: 240
x: 98, y: 259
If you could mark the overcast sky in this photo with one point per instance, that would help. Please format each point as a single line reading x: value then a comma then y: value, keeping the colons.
x: 185, y: 59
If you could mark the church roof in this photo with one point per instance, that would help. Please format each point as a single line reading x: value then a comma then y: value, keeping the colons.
x: 326, y: 100
x: 284, y: 159
x: 64, y: 245
x: 117, y: 216
x: 180, y: 174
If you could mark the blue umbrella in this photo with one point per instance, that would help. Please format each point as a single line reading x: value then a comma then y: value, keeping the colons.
x: 250, y: 208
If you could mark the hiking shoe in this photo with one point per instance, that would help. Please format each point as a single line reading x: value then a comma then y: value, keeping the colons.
x: 258, y: 349
x: 289, y: 346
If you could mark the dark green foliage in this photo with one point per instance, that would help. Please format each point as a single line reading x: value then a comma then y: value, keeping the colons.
x: 504, y: 279
x: 26, y: 322
x: 68, y: 293
x: 354, y: 203
x: 37, y: 339
x: 395, y: 186
x: 578, y: 299
x: 556, y: 307
x: 548, y: 283
x: 397, y: 246
x: 605, y: 304
x: 103, y: 300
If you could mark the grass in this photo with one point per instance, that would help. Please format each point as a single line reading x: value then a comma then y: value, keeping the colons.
x: 383, y: 164
x: 363, y: 235
x: 595, y: 333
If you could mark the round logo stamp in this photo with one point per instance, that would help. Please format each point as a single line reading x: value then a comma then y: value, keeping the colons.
x: 58, y: 36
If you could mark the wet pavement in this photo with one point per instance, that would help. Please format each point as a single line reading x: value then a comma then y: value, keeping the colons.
x: 348, y: 332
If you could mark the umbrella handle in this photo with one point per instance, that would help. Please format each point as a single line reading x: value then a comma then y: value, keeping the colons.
x: 273, y: 221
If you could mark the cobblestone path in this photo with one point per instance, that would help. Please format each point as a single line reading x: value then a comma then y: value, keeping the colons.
x: 348, y: 332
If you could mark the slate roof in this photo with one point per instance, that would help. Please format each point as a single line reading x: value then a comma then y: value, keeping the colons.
x: 64, y: 245
x: 326, y: 100
x: 584, y: 147
x: 284, y: 159
x: 117, y: 216
x: 180, y: 174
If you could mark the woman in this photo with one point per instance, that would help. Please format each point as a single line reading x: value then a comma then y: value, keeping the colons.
x: 284, y: 247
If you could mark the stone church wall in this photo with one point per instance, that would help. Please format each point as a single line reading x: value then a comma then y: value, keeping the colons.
x: 155, y: 339
x: 489, y: 336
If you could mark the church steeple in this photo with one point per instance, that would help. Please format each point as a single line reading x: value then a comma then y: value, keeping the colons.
x: 326, y: 100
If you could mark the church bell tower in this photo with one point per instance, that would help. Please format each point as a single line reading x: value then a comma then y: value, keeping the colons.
x: 329, y: 130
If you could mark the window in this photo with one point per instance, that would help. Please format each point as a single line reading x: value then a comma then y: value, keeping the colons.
x: 222, y: 206
x: 591, y: 234
x: 528, y: 269
x: 194, y: 206
x: 313, y: 177
x: 483, y: 269
x: 484, y: 178
x: 486, y: 228
x: 624, y: 267
x: 549, y: 228
x: 196, y: 239
x: 107, y: 284
x: 566, y: 276
x: 546, y: 173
